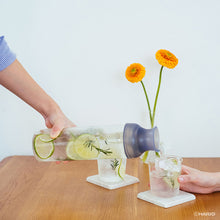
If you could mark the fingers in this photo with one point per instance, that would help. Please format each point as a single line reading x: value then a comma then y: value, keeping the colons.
x: 187, y: 187
x: 185, y: 169
x: 57, y: 122
x: 194, y: 188
x: 48, y: 124
x: 185, y: 179
x: 56, y: 129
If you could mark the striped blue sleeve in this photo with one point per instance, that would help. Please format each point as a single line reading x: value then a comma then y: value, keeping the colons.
x: 7, y: 57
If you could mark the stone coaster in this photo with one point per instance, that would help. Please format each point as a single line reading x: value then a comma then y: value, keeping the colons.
x: 182, y: 197
x: 128, y: 180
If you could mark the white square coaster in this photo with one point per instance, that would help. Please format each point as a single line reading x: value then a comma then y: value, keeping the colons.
x: 182, y: 197
x: 128, y: 180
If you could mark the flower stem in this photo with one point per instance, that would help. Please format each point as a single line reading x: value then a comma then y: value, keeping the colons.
x: 155, y: 102
x: 148, y: 103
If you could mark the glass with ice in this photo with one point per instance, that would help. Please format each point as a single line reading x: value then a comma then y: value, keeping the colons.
x: 112, y: 169
x: 163, y: 176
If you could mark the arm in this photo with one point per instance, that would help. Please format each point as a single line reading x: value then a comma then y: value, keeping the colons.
x: 16, y: 79
x: 193, y: 180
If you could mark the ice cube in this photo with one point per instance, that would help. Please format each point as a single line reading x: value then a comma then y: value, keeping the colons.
x: 168, y: 165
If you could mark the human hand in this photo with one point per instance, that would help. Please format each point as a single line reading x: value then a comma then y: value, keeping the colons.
x: 193, y: 180
x: 57, y: 121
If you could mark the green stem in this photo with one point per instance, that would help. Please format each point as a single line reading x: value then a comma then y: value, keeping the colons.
x: 148, y: 103
x: 155, y: 103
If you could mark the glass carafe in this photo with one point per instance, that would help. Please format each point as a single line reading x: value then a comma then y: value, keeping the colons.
x: 89, y: 143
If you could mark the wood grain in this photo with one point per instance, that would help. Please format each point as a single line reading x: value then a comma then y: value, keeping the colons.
x: 44, y: 190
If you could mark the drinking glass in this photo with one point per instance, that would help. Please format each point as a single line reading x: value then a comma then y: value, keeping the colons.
x: 164, y: 172
x: 111, y: 170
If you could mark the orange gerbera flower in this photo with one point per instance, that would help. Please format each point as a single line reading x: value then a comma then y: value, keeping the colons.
x: 166, y: 58
x: 135, y: 72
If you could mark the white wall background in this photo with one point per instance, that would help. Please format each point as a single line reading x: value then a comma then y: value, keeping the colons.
x: 78, y: 51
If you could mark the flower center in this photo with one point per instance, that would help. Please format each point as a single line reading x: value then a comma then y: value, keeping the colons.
x: 169, y: 54
x: 133, y: 71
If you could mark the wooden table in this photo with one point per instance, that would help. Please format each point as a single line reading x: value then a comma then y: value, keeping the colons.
x: 45, y: 190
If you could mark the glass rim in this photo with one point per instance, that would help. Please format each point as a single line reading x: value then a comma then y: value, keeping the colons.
x: 170, y: 156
